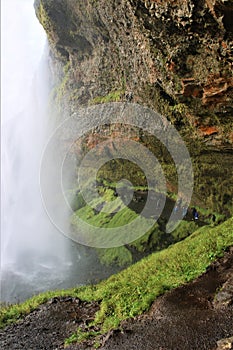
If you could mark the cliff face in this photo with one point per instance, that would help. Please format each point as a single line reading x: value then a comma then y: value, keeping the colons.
x: 175, y: 56
x: 172, y: 56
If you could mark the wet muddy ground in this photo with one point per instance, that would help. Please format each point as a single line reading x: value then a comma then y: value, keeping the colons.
x: 193, y: 317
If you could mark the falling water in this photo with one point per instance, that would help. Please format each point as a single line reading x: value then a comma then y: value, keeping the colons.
x: 27, y: 238
x: 34, y: 255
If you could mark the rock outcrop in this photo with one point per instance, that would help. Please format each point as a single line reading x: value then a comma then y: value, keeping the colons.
x: 224, y: 296
x: 172, y: 56
x: 225, y: 344
x: 175, y: 56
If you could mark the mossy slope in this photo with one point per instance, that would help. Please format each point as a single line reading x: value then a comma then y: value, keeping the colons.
x: 154, y: 239
x: 132, y: 291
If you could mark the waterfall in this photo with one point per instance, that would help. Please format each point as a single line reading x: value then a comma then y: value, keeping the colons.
x: 34, y: 256
x: 33, y: 253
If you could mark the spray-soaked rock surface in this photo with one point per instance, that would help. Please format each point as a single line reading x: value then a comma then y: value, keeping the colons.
x: 191, y: 317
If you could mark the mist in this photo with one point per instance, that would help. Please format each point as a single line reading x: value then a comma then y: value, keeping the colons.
x: 35, y: 256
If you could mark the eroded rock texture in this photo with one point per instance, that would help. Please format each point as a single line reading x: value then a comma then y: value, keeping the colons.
x: 175, y: 56
x: 172, y: 56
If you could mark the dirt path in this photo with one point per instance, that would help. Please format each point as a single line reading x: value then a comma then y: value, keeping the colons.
x: 186, y: 318
x: 48, y: 326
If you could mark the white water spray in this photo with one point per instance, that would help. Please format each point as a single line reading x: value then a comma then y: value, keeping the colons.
x: 33, y: 253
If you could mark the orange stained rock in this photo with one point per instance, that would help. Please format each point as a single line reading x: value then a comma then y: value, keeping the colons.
x: 208, y: 130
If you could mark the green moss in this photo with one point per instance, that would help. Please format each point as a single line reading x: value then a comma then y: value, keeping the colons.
x: 118, y: 169
x: 214, y: 180
x: 153, y: 240
x: 149, y: 240
x: 120, y: 256
x: 185, y: 229
x: 113, y: 96
x: 108, y: 194
x: 66, y: 67
x: 45, y: 20
x: 101, y: 218
x: 131, y: 292
x: 81, y: 336
x: 42, y: 15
